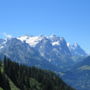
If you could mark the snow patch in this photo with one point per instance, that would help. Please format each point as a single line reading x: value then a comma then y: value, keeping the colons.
x: 68, y: 44
x: 31, y: 40
x: 55, y: 43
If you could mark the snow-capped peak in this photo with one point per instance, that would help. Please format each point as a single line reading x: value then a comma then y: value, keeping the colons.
x: 56, y: 43
x: 68, y: 44
x: 75, y: 49
x: 34, y: 40
x: 53, y: 38
x: 75, y: 44
x: 31, y: 40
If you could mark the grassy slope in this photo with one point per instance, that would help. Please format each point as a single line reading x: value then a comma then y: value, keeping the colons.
x: 12, y: 85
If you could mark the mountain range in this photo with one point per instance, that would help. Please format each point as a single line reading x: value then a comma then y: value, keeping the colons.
x: 51, y: 53
x: 79, y: 76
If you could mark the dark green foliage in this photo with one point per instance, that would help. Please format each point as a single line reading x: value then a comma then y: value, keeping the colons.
x: 3, y: 80
x: 31, y: 78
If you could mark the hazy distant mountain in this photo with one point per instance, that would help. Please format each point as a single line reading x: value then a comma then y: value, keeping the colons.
x: 76, y: 50
x: 54, y: 49
x: 56, y: 42
x: 21, y: 52
x: 79, y: 76
x: 45, y: 51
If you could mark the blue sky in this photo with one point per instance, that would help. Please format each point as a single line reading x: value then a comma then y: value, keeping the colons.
x: 67, y: 18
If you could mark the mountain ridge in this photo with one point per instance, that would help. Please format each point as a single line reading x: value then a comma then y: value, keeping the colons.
x: 52, y: 50
x: 78, y: 76
x: 55, y: 40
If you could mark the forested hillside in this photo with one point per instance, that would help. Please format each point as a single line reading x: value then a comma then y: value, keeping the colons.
x: 19, y: 77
